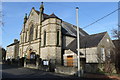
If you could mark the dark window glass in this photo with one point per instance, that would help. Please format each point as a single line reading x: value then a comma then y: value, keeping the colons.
x: 44, y: 38
x: 36, y: 32
x: 31, y: 33
x: 26, y: 37
x: 32, y: 55
x: 57, y: 38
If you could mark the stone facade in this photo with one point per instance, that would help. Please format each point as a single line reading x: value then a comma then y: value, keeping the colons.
x: 51, y: 38
x: 51, y: 28
x: 13, y: 50
x: 41, y: 36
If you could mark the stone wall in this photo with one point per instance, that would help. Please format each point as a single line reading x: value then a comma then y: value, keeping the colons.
x: 90, y: 54
x: 10, y: 52
x: 91, y: 67
x: 49, y: 47
x: 70, y: 53
x: 107, y: 44
x: 66, y: 70
x: 33, y: 19
x: 67, y: 40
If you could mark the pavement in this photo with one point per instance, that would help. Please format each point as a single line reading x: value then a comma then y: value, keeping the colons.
x: 19, y: 73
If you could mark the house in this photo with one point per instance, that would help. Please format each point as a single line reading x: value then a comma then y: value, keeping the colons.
x: 94, y: 49
x: 12, y: 50
x: 55, y: 40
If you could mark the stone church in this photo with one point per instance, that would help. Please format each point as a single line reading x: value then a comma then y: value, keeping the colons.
x: 50, y: 37
x: 45, y: 35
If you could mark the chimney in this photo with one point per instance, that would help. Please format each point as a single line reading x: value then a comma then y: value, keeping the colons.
x: 15, y: 40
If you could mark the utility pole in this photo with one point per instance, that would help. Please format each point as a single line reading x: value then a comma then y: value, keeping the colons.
x: 78, y: 43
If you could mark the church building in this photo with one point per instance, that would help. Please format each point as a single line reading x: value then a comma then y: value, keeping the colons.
x: 46, y: 36
x: 49, y: 37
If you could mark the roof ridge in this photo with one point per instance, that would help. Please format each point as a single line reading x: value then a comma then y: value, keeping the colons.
x: 98, y: 33
x: 53, y: 15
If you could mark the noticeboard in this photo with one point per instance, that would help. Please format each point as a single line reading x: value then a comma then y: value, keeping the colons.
x: 45, y: 63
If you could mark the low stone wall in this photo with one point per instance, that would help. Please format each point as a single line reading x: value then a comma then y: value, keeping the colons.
x: 31, y: 66
x: 66, y: 70
x: 91, y: 68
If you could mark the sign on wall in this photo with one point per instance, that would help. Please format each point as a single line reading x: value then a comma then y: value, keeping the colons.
x: 45, y: 62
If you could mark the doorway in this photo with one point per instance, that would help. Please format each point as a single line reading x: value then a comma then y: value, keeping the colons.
x: 70, y: 61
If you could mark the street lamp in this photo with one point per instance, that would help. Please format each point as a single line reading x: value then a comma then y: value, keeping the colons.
x: 78, y: 43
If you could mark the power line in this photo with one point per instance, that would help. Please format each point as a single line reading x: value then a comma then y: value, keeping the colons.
x: 101, y: 18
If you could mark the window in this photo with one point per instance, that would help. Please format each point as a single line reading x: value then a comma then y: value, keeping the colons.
x: 32, y: 55
x: 58, y: 38
x: 31, y: 33
x: 108, y: 40
x: 103, y: 54
x: 26, y: 36
x: 21, y: 39
x: 36, y: 32
x: 44, y: 38
x: 108, y: 54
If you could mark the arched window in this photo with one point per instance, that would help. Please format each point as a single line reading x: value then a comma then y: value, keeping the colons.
x: 44, y: 38
x: 21, y: 39
x: 31, y: 33
x: 58, y: 34
x: 26, y: 36
x: 36, y: 32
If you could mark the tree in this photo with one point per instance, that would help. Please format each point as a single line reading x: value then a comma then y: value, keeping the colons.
x: 3, y: 53
x: 116, y: 42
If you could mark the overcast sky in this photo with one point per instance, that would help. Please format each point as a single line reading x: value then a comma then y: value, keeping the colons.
x: 88, y: 12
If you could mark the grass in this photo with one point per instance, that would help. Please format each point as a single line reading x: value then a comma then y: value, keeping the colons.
x: 108, y: 74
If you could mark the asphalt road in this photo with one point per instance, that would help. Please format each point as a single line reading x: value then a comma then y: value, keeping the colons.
x: 21, y: 72
x: 15, y: 72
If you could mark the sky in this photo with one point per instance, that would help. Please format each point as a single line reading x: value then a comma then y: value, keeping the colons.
x: 14, y: 12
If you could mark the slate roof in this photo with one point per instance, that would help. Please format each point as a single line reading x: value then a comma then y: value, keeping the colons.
x: 86, y: 41
x: 67, y: 28
x: 45, y: 16
x: 71, y: 30
x: 13, y: 43
x: 116, y: 43
x: 53, y: 16
x: 92, y: 40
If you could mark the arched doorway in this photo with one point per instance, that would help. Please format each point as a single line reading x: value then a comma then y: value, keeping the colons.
x: 32, y: 55
x: 33, y: 58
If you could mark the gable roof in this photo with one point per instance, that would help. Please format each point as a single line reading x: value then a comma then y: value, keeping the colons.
x: 91, y: 40
x: 45, y: 16
x: 67, y: 28
x: 13, y: 43
x: 86, y: 41
x: 71, y: 30
x: 116, y: 42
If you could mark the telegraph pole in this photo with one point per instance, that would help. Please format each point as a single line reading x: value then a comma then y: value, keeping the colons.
x: 78, y: 43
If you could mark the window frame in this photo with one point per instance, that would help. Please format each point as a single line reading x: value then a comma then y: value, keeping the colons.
x: 31, y: 32
x: 58, y: 38
x: 44, y: 42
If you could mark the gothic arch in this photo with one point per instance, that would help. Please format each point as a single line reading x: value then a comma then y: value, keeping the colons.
x: 31, y: 31
x: 30, y: 51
